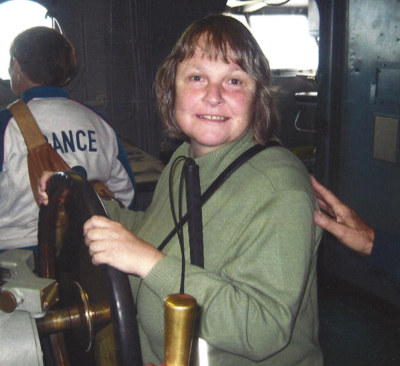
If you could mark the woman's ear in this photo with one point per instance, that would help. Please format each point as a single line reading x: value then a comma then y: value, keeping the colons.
x: 16, y: 67
x: 18, y: 79
x: 15, y: 71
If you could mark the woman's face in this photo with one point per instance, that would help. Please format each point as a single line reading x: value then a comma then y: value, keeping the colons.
x: 214, y: 102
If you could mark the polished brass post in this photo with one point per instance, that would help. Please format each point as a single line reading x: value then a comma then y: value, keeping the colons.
x: 179, y: 320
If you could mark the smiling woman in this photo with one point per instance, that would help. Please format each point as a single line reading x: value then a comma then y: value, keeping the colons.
x: 256, y: 293
x: 214, y: 101
x: 15, y: 17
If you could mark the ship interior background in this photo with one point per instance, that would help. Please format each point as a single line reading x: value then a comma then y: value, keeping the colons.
x: 336, y: 68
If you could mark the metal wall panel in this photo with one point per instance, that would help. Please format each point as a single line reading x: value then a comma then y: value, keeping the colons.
x: 371, y: 185
x: 362, y: 160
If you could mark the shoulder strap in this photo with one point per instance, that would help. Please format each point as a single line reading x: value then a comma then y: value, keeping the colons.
x: 30, y: 130
x: 239, y: 161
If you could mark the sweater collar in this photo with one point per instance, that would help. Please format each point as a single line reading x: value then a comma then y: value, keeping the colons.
x: 43, y: 92
x: 212, y: 164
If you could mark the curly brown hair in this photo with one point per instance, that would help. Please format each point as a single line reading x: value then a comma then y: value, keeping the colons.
x: 45, y: 56
x: 221, y: 36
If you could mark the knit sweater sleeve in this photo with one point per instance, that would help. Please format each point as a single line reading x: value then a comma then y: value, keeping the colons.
x: 126, y: 217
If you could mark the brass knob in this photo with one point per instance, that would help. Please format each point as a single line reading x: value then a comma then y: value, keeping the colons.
x: 179, y: 321
x: 8, y: 302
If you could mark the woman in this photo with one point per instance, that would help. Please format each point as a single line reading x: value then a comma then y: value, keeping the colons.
x: 257, y: 292
x: 41, y: 61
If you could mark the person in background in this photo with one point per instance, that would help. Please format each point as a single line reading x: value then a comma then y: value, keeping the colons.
x: 41, y: 61
x: 382, y: 249
x: 257, y: 292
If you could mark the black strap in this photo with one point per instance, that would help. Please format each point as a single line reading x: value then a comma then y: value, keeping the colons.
x: 221, y: 179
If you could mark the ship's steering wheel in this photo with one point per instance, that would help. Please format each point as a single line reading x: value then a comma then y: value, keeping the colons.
x: 64, y: 257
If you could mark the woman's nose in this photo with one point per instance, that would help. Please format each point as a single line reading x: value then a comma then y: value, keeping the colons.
x: 213, y: 95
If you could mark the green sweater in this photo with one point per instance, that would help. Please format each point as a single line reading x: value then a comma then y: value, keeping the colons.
x: 257, y: 294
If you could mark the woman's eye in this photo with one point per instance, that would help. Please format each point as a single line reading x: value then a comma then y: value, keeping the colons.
x: 196, y: 78
x: 235, y: 81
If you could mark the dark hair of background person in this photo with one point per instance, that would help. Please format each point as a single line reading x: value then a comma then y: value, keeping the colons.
x: 219, y: 36
x: 45, y: 56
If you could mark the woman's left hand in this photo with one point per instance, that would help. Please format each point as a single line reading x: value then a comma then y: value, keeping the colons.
x: 111, y: 243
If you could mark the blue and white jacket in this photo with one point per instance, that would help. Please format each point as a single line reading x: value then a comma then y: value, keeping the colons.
x: 80, y: 135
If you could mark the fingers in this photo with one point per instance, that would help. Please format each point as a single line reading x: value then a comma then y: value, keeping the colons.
x: 98, y: 222
x: 346, y: 225
x: 99, y: 257
x: 43, y: 198
x: 354, y: 233
x: 338, y: 229
x: 326, y: 222
x: 324, y: 206
x: 342, y: 231
x: 100, y: 236
x: 328, y: 201
x: 324, y: 193
x: 111, y: 243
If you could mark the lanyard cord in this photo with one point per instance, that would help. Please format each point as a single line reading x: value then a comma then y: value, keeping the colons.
x: 178, y: 224
x: 190, y: 172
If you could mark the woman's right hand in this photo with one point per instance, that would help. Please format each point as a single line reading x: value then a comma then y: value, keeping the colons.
x: 111, y: 243
x: 43, y: 198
